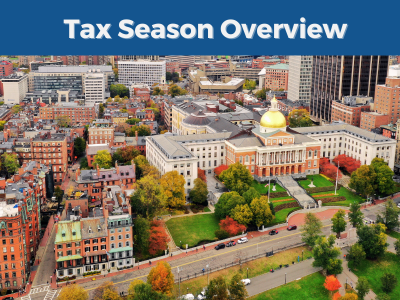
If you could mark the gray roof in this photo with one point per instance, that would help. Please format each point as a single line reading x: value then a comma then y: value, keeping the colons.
x: 169, y: 147
x: 94, y: 228
x: 92, y: 149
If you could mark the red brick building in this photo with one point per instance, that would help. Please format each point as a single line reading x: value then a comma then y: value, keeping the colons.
x: 277, y: 77
x: 6, y: 68
x: 78, y: 114
x: 387, y: 99
x: 350, y: 111
x: 372, y: 120
x: 264, y: 61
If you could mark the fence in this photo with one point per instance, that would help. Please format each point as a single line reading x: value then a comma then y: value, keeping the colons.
x: 239, y: 261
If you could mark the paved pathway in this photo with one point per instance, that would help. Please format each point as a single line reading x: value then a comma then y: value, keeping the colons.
x: 292, y: 186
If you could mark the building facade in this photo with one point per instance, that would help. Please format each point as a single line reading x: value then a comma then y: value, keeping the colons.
x: 276, y: 77
x: 387, y: 98
x: 15, y: 87
x: 78, y: 114
x: 300, y: 78
x: 101, y: 131
x: 141, y: 71
x: 350, y: 108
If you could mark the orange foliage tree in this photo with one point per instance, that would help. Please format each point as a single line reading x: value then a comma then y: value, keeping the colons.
x: 218, y: 170
x: 201, y: 174
x: 158, y: 239
x: 332, y: 283
x: 328, y: 169
x: 336, y: 296
x: 346, y: 162
x: 231, y: 226
x: 161, y: 278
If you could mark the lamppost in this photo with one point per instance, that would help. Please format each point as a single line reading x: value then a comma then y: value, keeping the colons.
x: 285, y: 278
x: 302, y: 255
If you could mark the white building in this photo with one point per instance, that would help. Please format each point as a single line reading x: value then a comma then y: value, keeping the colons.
x: 141, y: 71
x: 300, y: 78
x: 341, y: 138
x: 15, y: 87
x: 94, y: 87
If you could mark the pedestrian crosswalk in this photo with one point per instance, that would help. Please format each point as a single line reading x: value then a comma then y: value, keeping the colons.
x: 28, y: 297
x: 50, y: 295
x: 40, y: 289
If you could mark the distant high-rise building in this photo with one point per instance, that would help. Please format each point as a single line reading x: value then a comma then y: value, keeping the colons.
x: 335, y: 76
x: 185, y: 61
x: 141, y: 71
x: 135, y: 57
x: 300, y: 78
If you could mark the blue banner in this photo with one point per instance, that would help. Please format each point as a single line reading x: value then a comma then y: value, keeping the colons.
x: 200, y: 27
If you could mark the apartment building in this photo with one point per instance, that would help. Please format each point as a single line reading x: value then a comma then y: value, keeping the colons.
x: 372, y: 120
x: 349, y: 109
x: 78, y: 114
x: 101, y: 131
x: 141, y: 71
x: 6, y: 68
x: 15, y: 87
x: 34, y: 65
x: 300, y: 78
x: 26, y: 60
x: 95, y: 87
x: 276, y: 77
x: 136, y: 57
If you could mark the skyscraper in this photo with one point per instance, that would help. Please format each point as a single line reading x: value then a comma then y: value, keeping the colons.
x: 336, y: 76
x: 300, y: 78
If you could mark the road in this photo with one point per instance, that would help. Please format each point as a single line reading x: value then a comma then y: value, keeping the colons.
x: 196, y: 262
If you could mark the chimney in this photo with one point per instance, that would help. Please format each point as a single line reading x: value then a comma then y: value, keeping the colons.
x: 98, y: 171
x: 117, y: 167
x: 21, y: 171
x: 137, y: 136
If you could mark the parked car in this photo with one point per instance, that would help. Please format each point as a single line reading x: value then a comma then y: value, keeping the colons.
x: 220, y: 246
x: 246, y: 281
x: 231, y: 243
x: 273, y: 232
x: 202, y: 296
x: 292, y: 227
x: 243, y: 240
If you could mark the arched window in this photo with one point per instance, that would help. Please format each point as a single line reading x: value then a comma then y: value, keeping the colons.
x: 241, y: 159
x: 247, y: 158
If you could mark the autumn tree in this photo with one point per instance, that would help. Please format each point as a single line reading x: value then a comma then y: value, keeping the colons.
x: 217, y: 289
x: 336, y: 296
x: 173, y: 190
x: 261, y: 211
x: 125, y: 154
x: 63, y: 121
x: 103, y: 159
x: 373, y: 240
x: 311, y: 229
x: 73, y: 291
x: 199, y: 193
x: 140, y: 163
x: 201, y: 174
x: 147, y: 198
x: 250, y: 195
x: 236, y: 288
x: 158, y: 241
x: 16, y: 109
x: 10, y: 162
x: 349, y: 296
x: 338, y: 222
x: 326, y: 255
x: 104, y: 290
x: 355, y: 214
x: 226, y: 203
x: 131, y: 288
x: 242, y: 214
x: 363, y: 287
x: 220, y: 169
x: 157, y: 91
x: 161, y: 278
x: 175, y: 90
x: 2, y: 123
x: 231, y: 226
x: 237, y: 178
x: 347, y: 163
x: 330, y: 170
x: 299, y: 118
x: 363, y: 180
x: 332, y: 284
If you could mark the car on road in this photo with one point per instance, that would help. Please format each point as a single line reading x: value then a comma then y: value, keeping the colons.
x: 231, y: 243
x: 292, y: 227
x: 246, y: 281
x: 243, y: 240
x: 219, y: 246
x: 273, y: 232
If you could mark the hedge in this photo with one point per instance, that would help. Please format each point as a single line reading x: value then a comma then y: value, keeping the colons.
x: 332, y: 199
x: 322, y: 189
x: 278, y: 194
x: 286, y: 205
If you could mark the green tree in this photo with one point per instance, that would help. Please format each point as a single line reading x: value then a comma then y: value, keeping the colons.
x: 383, y: 297
x: 132, y: 121
x: 79, y: 146
x: 363, y: 180
x: 147, y: 200
x: 250, y: 195
x: 356, y: 255
x: 10, y: 163
x: 363, y: 287
x: 58, y: 193
x: 144, y: 291
x: 217, y: 289
x: 242, y: 214
x: 262, y: 94
x: 389, y: 282
x: 63, y: 121
x: 119, y: 90
x: 199, y: 193
x: 143, y: 130
x: 103, y: 159
x: 237, y: 178
x: 141, y: 234
x: 173, y: 190
x: 236, y: 288
x: 249, y: 84
x: 390, y: 216
x: 373, y: 240
x: 16, y: 109
x: 355, y: 214
x: 158, y: 91
x: 84, y: 164
x: 2, y: 123
x: 261, y: 212
x: 325, y: 255
x: 101, y: 110
x: 397, y: 247
x: 384, y: 176
x: 125, y: 155
x: 140, y: 162
x: 311, y: 229
x: 338, y: 222
x: 175, y: 90
x: 299, y: 118
x: 226, y: 203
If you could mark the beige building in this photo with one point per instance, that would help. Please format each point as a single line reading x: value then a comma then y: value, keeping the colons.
x: 199, y: 83
x: 101, y: 131
x: 15, y: 87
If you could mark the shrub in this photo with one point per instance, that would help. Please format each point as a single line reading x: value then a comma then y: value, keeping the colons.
x: 286, y: 205
x: 332, y: 199
x: 277, y: 194
x: 218, y: 170
x: 221, y: 234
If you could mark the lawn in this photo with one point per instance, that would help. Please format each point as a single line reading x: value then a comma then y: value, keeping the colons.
x: 319, y: 181
x: 394, y: 234
x: 263, y: 189
x: 350, y: 198
x: 256, y: 267
x: 309, y: 287
x: 206, y: 209
x: 280, y: 216
x: 193, y: 229
x: 374, y: 270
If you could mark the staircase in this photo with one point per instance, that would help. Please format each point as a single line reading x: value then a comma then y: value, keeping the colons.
x: 296, y: 191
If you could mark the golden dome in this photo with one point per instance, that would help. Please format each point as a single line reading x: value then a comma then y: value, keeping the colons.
x: 273, y: 119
